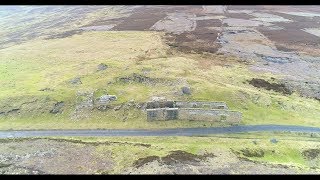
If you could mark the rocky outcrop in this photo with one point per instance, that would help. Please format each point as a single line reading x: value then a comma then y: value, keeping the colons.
x: 57, y: 108
x: 143, y: 79
x: 84, y: 105
x: 102, y: 102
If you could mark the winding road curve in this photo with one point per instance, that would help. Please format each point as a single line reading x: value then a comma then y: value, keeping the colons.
x: 159, y: 132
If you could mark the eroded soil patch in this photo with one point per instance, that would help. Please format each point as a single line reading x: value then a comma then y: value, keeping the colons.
x: 311, y: 153
x: 142, y: 161
x: 174, y: 157
x: 261, y: 83
x: 141, y: 19
x: 252, y: 152
x: 291, y: 36
x: 202, y: 39
x: 291, y: 39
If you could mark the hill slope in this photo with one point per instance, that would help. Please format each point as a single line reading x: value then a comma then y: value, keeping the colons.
x: 45, y: 81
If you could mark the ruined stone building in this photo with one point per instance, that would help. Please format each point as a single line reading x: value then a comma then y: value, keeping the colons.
x: 197, y: 111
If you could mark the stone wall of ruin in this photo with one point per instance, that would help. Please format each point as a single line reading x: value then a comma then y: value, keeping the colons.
x: 212, y: 115
x: 201, y: 104
x: 184, y: 104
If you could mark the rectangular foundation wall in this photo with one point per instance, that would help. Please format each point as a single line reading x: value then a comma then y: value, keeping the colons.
x: 212, y: 115
x: 199, y: 104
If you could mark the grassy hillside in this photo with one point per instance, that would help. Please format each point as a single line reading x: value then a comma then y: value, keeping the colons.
x: 36, y: 75
x: 291, y: 151
x: 20, y: 24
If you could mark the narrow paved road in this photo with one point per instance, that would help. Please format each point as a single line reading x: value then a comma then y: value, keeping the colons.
x: 159, y: 132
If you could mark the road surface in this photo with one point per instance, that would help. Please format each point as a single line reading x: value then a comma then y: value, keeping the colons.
x: 159, y: 132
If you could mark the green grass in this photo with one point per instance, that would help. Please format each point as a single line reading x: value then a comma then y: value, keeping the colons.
x: 109, y: 121
x: 38, y: 64
x: 288, y: 150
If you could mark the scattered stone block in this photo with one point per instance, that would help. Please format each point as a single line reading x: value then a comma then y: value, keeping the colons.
x: 102, y: 67
x: 75, y: 81
x: 186, y: 90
